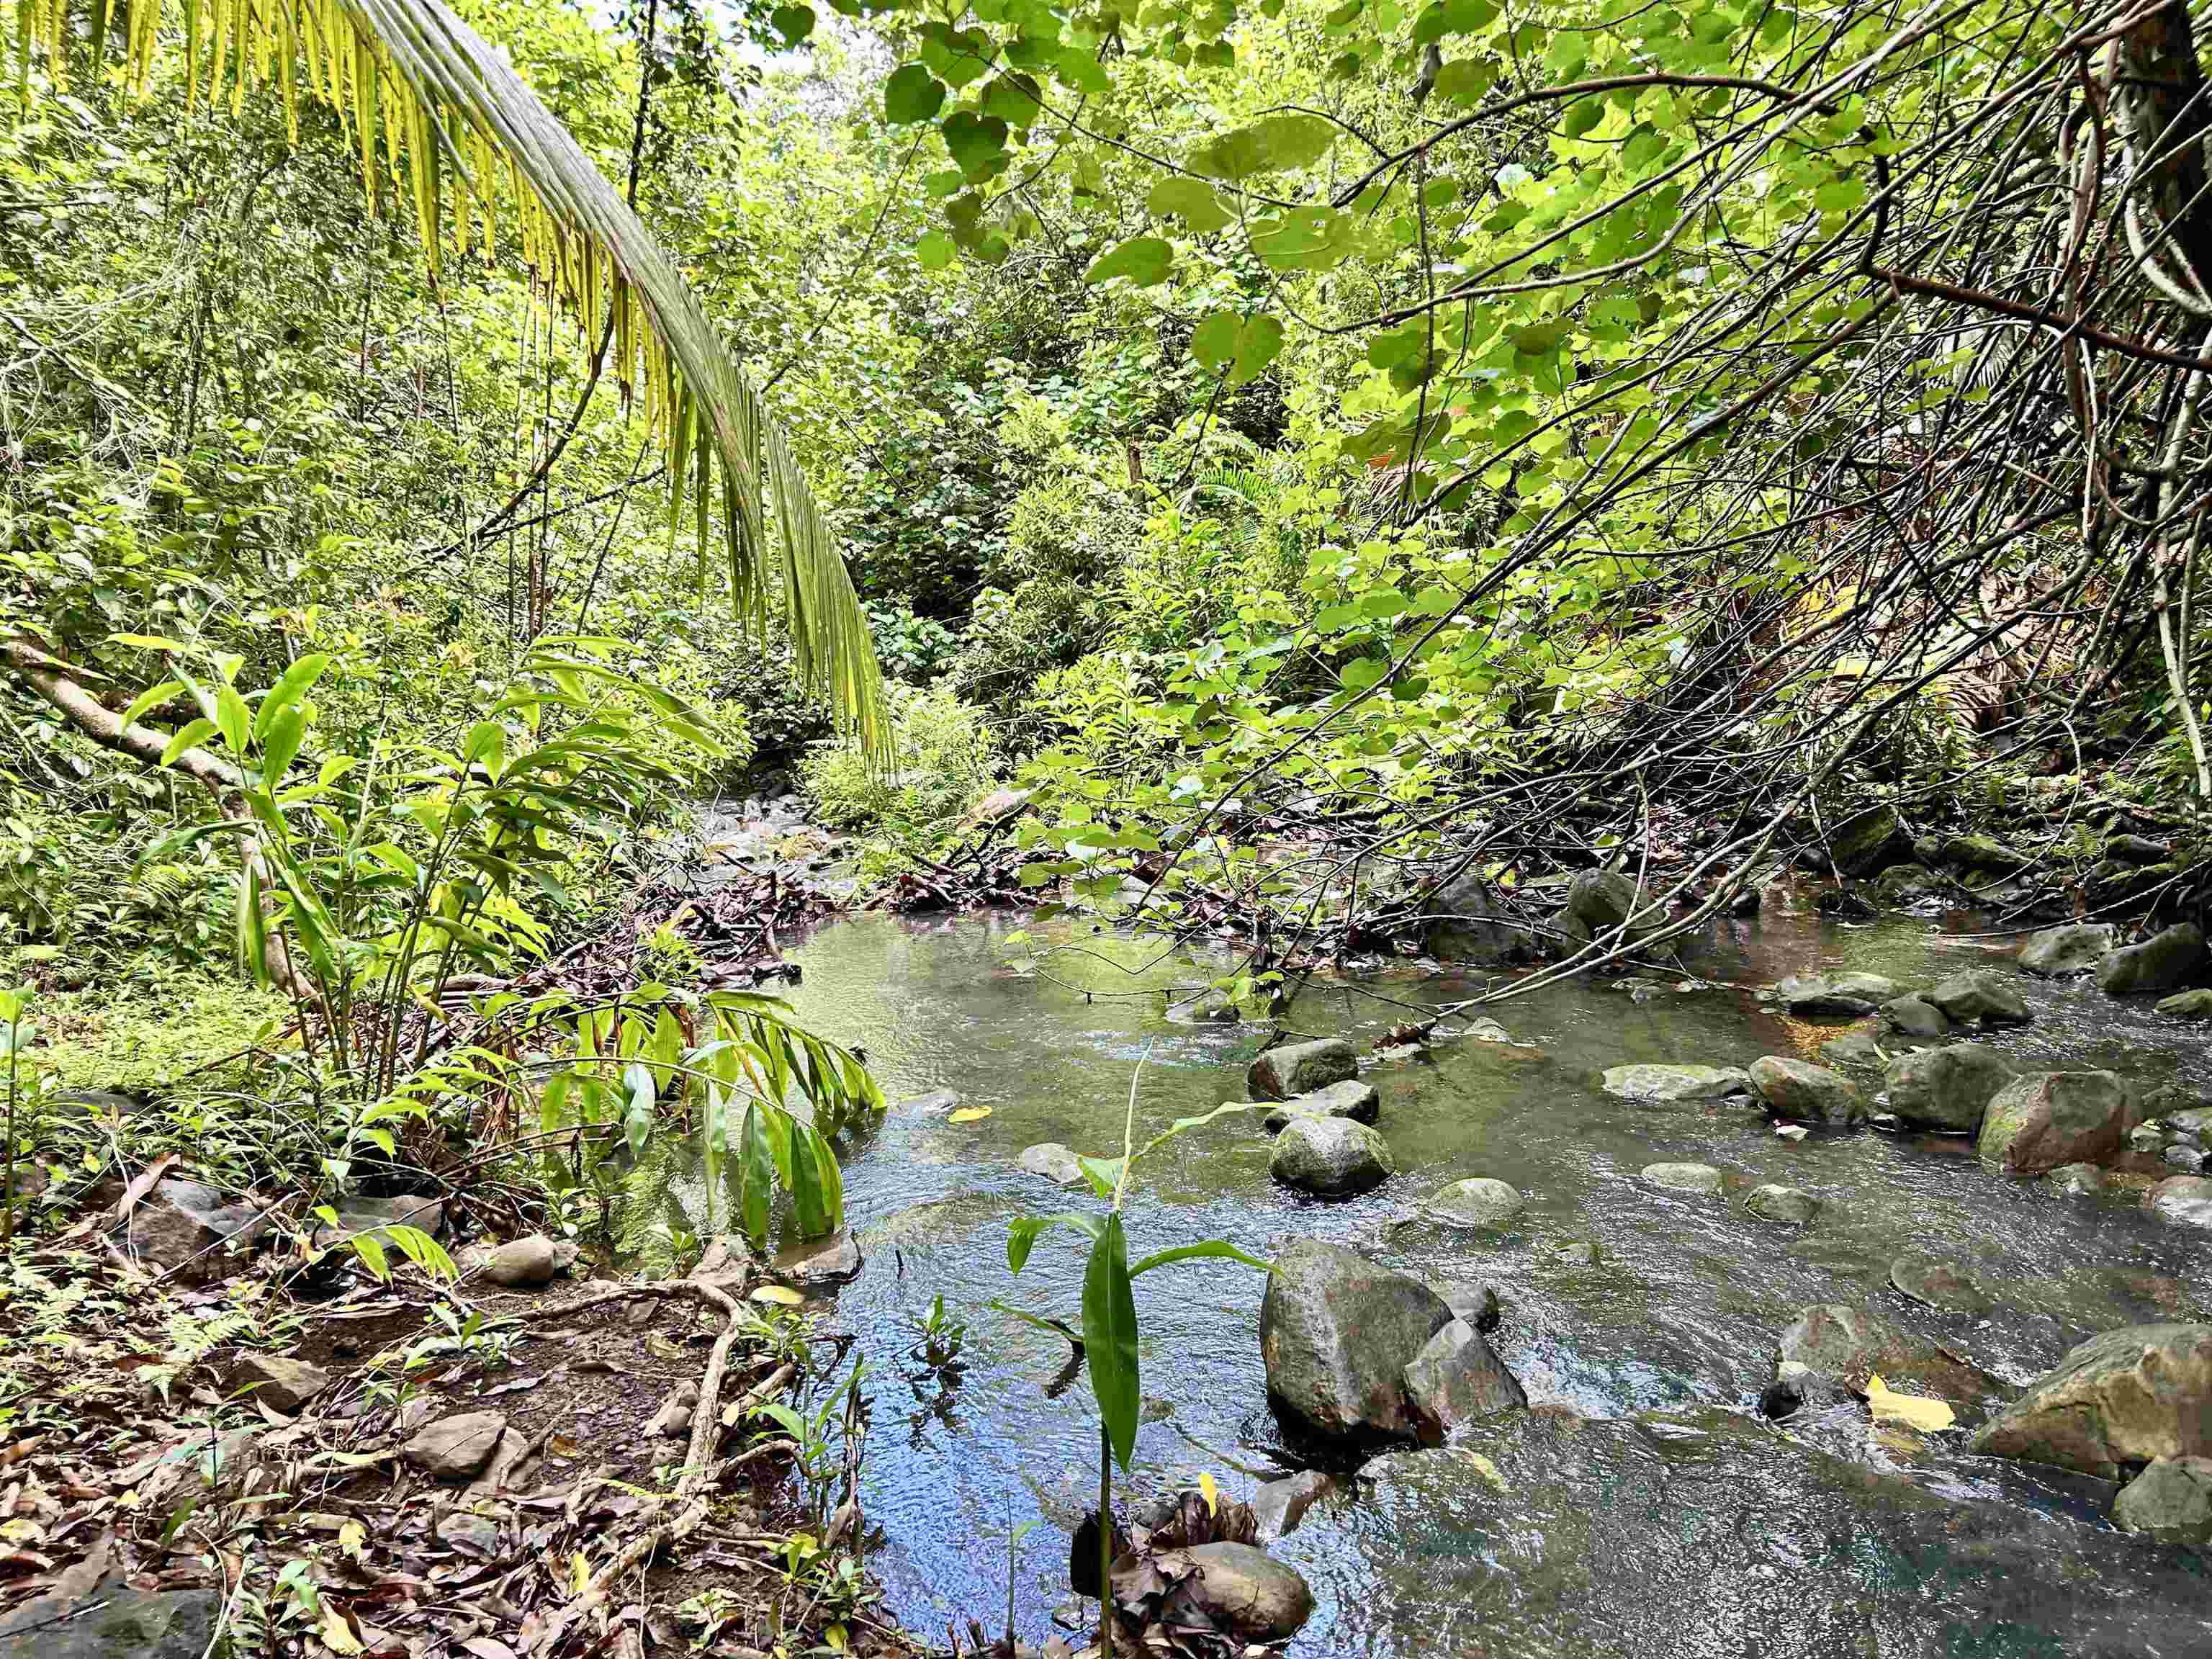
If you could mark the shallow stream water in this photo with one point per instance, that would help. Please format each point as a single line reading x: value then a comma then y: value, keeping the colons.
x: 1698, y: 1531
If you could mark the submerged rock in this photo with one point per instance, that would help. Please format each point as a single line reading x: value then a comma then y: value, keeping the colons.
x: 2124, y: 1397
x: 1336, y: 1334
x: 1351, y: 1099
x: 1978, y: 997
x: 1330, y: 1156
x: 2076, y: 1181
x: 1239, y: 1590
x: 1853, y: 1051
x: 1849, y: 1344
x: 1673, y: 1083
x: 1947, y: 1087
x: 1456, y: 1380
x: 2185, y: 1200
x: 1801, y: 1092
x: 1783, y: 1205
x: 2040, y: 1120
x: 1696, y: 1180
x: 1838, y: 993
x: 1300, y: 1068
x: 1709, y: 1532
x: 2163, y: 962
x: 1936, y: 1283
x: 818, y: 1263
x: 2075, y: 948
x: 2171, y: 1500
x: 1477, y: 1202
x: 2188, y: 1005
x: 1279, y: 1505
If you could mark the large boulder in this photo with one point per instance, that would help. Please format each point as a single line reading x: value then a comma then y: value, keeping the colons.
x: 1456, y: 1380
x: 2171, y: 1500
x: 1300, y: 1068
x: 1947, y: 1088
x: 1846, y: 995
x: 1799, y: 1091
x: 1336, y: 1334
x: 2125, y: 1398
x: 2074, y: 948
x: 1978, y: 997
x: 2163, y: 962
x: 1330, y: 1156
x: 1915, y: 1017
x: 2043, y: 1120
x: 1352, y: 1098
x: 1984, y: 853
x: 1467, y: 924
x: 1238, y: 1589
x: 1866, y: 841
x: 1676, y: 1083
x: 1601, y: 900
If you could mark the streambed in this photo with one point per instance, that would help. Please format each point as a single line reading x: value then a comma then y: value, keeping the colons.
x: 1694, y: 1529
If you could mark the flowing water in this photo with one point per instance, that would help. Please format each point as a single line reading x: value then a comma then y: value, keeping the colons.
x: 1696, y: 1529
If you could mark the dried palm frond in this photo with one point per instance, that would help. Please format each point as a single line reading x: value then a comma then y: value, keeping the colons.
x: 435, y: 112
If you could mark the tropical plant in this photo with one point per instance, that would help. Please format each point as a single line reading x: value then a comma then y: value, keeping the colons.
x: 16, y: 1034
x: 1109, y: 1335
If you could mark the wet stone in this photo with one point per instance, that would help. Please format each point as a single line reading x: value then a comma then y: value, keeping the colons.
x: 1936, y: 1284
x: 1799, y: 1091
x: 1299, y: 1068
x: 1785, y: 1206
x: 1477, y: 1202
x: 1351, y: 1099
x: 1914, y: 1016
x: 2073, y: 949
x: 1837, y: 994
x: 1330, y: 1156
x: 1673, y: 1083
x: 1978, y: 997
x: 2076, y: 1181
x: 1055, y: 1163
x: 2171, y: 1500
x: 1696, y: 1180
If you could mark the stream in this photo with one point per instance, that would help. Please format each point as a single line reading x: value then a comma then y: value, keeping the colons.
x: 1695, y: 1529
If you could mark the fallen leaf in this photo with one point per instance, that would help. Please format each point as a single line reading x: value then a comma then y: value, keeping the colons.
x: 970, y: 1115
x: 1212, y: 1492
x: 353, y: 1541
x: 782, y: 1295
x: 140, y: 1184
x: 337, y: 1634
x: 1489, y: 1471
x: 487, y: 1647
x: 1914, y: 1410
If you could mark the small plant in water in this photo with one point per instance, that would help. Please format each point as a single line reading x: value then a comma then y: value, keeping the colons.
x: 1110, y: 1308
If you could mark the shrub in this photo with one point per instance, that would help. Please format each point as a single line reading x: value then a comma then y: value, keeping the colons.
x: 945, y: 759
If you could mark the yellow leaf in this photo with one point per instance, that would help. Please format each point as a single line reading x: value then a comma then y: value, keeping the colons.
x: 1212, y: 1492
x: 353, y: 1540
x: 338, y: 1635
x: 1489, y: 1471
x: 782, y: 1295
x: 580, y: 1574
x: 970, y: 1115
x: 835, y: 1636
x: 1915, y: 1410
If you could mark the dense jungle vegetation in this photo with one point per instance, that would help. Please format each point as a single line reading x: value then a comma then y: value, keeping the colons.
x: 1290, y: 470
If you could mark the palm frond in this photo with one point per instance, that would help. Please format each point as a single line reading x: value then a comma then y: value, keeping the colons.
x: 434, y: 110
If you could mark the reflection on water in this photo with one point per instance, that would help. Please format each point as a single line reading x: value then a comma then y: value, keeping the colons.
x: 1679, y: 1311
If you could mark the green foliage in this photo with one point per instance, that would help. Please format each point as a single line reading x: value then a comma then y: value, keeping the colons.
x: 946, y: 759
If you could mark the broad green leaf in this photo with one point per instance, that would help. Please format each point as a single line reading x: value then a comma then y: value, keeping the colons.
x: 1110, y: 1338
x: 190, y: 738
x: 912, y: 94
x: 1191, y: 200
x: 935, y: 251
x: 1144, y: 260
x: 152, y: 698
x: 794, y: 23
x: 1103, y: 1172
x: 1023, y: 1231
x: 977, y: 144
x: 1241, y: 347
x: 1212, y: 1247
x: 757, y: 1172
x: 293, y: 684
x: 281, y: 742
x: 234, y: 718
x: 1274, y: 144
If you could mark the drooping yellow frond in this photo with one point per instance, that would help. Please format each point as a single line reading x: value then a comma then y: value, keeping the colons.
x: 428, y: 103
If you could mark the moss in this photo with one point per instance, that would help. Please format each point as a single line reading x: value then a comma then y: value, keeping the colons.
x: 141, y: 1037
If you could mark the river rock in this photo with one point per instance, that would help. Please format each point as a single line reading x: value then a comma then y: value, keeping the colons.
x: 1330, y: 1156
x: 1477, y: 1202
x: 2124, y: 1397
x: 2074, y: 948
x: 1915, y: 1016
x: 1704, y: 1531
x: 2188, y: 1005
x: 279, y: 1380
x: 2185, y: 1200
x: 2171, y: 1500
x: 1336, y: 1334
x: 1300, y: 1068
x: 116, y: 1622
x: 1947, y: 1087
x: 455, y: 1447
x: 1599, y: 901
x: 817, y: 1263
x: 185, y: 1227
x: 2043, y: 1119
x: 1785, y: 1206
x: 1838, y: 993
x: 1467, y: 924
x: 1239, y: 1590
x: 1477, y: 1304
x: 1980, y: 852
x: 1695, y: 1179
x: 1675, y: 1083
x: 1906, y: 884
x: 1456, y: 1380
x: 1853, y: 1051
x: 1865, y: 841
x: 1352, y: 1098
x: 1801, y: 1092
x: 1849, y: 1344
x: 1278, y: 1505
x: 2163, y: 962
x: 2076, y: 1181
x: 1936, y: 1284
x: 1977, y: 996
x: 1055, y: 1163
x: 525, y: 1263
